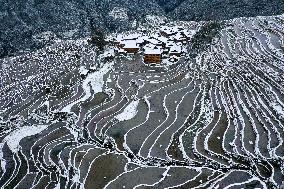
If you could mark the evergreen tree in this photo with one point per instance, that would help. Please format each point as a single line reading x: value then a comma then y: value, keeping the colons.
x: 97, y: 37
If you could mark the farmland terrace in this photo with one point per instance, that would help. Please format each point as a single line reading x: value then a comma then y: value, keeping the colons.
x: 70, y: 118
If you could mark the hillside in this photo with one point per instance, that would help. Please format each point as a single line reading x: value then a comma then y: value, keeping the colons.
x: 24, y: 22
x: 71, y: 117
x: 199, y: 10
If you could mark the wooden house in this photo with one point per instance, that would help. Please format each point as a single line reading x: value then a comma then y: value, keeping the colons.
x: 130, y: 46
x: 153, y: 55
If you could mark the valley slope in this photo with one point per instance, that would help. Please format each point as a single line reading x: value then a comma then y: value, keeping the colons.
x: 71, y: 119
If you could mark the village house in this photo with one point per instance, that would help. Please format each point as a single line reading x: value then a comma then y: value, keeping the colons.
x: 141, y: 41
x: 155, y: 42
x: 169, y: 43
x: 130, y: 46
x: 133, y: 36
x: 163, y: 39
x: 153, y: 55
x: 175, y: 50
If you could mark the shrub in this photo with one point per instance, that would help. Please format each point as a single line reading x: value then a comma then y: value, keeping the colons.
x: 97, y: 37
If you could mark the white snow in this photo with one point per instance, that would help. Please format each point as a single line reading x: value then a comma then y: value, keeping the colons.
x: 70, y: 33
x: 162, y: 39
x: 169, y: 30
x: 134, y: 24
x: 279, y: 109
x: 132, y: 36
x: 187, y: 76
x: 129, y: 112
x: 14, y: 138
x: 130, y: 44
x: 190, y: 33
x: 175, y: 49
x: 179, y: 36
x: 119, y: 13
x: 44, y: 36
x: 155, y: 20
x: 153, y: 51
x: 83, y: 70
x: 57, y: 186
x: 3, y: 162
x: 109, y: 53
x: 96, y: 81
x: 153, y: 41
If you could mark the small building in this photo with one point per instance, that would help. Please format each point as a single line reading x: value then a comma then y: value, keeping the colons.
x: 156, y: 42
x: 169, y: 44
x: 175, y: 50
x: 153, y: 55
x: 130, y: 46
x: 163, y: 40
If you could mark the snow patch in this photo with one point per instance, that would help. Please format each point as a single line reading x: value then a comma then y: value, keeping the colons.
x: 83, y: 70
x: 155, y: 20
x: 279, y: 109
x: 14, y: 138
x: 129, y: 112
x: 3, y: 162
x: 96, y: 80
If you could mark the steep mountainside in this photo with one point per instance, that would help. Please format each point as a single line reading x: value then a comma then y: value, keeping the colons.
x: 23, y: 21
x: 226, y: 9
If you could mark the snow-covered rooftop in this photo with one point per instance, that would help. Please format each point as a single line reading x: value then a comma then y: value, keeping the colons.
x: 179, y: 36
x: 150, y: 50
x: 132, y: 36
x: 175, y: 49
x: 130, y: 44
x: 153, y: 41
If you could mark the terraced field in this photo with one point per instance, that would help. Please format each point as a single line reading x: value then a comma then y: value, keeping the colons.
x: 213, y: 121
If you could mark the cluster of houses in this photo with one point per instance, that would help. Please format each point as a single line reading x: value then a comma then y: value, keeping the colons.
x: 169, y: 43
